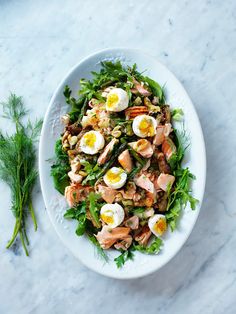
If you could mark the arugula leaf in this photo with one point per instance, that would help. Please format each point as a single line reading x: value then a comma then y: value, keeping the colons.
x: 124, y: 257
x: 78, y: 106
x: 94, y: 208
x: 60, y: 168
x: 156, y: 89
x: 138, y: 210
x: 181, y: 141
x: 180, y: 196
x: 92, y: 171
x: 153, y: 248
x: 78, y: 213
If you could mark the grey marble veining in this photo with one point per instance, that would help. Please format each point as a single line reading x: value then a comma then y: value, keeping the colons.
x: 39, y: 42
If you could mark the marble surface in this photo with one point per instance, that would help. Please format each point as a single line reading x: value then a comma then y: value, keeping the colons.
x: 39, y: 42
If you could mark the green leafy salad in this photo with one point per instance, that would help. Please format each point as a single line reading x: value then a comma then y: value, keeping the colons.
x: 118, y: 162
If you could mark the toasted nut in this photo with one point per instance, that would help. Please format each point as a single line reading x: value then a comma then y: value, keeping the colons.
x: 75, y: 165
x: 65, y: 119
x: 116, y: 134
x: 138, y: 101
x: 65, y: 145
x: 65, y: 136
x: 119, y: 197
x: 155, y: 100
x: 83, y: 173
x: 150, y: 106
x: 72, y: 153
x: 135, y: 111
x: 127, y: 202
x: 73, y: 140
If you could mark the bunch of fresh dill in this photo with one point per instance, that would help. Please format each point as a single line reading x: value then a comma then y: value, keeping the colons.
x: 17, y: 165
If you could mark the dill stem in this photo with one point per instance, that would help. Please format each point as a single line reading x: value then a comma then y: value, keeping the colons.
x: 18, y: 224
x: 32, y: 213
x: 16, y: 231
x: 25, y: 235
x: 23, y: 243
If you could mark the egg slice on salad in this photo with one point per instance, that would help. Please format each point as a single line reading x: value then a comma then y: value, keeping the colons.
x: 117, y: 100
x: 157, y: 224
x: 115, y: 178
x: 144, y: 126
x: 112, y: 214
x: 91, y: 142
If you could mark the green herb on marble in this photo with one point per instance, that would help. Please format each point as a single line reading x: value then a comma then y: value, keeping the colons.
x: 17, y: 166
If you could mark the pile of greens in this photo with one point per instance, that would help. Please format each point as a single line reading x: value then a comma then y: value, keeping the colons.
x: 123, y: 77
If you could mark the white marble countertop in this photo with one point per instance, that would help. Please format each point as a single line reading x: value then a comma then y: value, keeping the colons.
x: 39, y: 41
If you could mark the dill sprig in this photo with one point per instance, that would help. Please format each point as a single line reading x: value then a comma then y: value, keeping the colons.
x: 17, y: 166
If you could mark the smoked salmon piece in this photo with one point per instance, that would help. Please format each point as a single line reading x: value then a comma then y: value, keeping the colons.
x: 143, y: 147
x: 106, y: 152
x: 168, y: 148
x: 126, y: 161
x: 107, y: 193
x: 165, y: 181
x: 76, y: 193
x: 162, y: 132
x: 107, y: 236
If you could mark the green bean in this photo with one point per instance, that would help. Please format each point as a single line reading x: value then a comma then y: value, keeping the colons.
x: 116, y: 153
x: 136, y: 156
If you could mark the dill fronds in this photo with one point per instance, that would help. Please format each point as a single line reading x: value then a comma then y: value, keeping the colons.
x: 17, y: 166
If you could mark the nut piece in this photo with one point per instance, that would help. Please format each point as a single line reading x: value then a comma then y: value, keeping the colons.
x: 73, y: 140
x: 135, y: 111
x: 83, y: 173
x: 116, y: 131
x: 65, y: 119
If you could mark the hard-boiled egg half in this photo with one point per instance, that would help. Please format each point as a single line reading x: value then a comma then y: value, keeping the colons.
x: 117, y: 100
x: 157, y: 224
x: 112, y: 214
x: 115, y: 178
x: 144, y: 126
x: 91, y: 142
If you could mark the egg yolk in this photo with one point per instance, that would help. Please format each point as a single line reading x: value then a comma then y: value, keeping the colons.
x: 160, y: 226
x: 90, y: 139
x: 112, y: 100
x: 146, y: 127
x: 114, y: 177
x: 107, y: 217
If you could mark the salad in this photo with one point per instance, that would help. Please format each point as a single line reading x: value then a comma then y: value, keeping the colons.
x: 118, y: 162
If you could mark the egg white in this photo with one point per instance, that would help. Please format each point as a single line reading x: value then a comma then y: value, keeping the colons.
x: 112, y: 214
x: 115, y: 178
x: 152, y: 222
x: 117, y: 100
x: 138, y: 122
x: 91, y: 142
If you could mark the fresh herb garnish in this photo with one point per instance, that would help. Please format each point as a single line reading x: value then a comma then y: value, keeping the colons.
x: 17, y: 166
x: 177, y: 114
x: 60, y: 168
x: 124, y: 257
x: 78, y: 106
x: 180, y: 196
x: 100, y: 251
x: 94, y: 208
x: 91, y: 170
x: 78, y: 213
x: 156, y: 89
x: 153, y: 248
x: 182, y: 142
